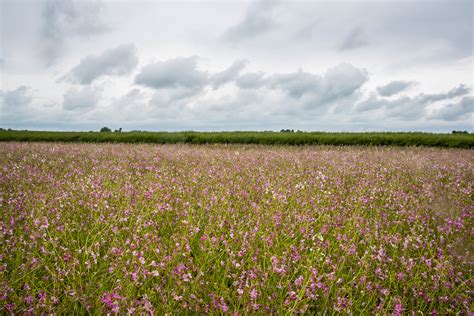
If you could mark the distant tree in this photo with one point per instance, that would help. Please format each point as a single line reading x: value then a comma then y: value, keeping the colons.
x: 118, y: 130
x: 105, y: 129
x: 460, y: 132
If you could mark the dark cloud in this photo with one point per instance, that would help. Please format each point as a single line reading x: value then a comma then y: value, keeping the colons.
x: 173, y: 73
x: 80, y: 99
x: 229, y: 74
x: 258, y: 19
x: 456, y: 111
x: 64, y: 19
x: 356, y: 38
x: 394, y: 87
x: 118, y: 61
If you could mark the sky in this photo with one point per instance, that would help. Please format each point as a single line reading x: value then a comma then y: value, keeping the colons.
x: 237, y: 65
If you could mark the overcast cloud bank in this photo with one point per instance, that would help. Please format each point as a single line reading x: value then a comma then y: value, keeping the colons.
x: 258, y: 65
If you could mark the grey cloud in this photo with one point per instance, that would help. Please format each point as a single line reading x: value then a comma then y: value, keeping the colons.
x: 397, y: 107
x: 419, y: 32
x: 63, y: 19
x: 80, y: 99
x: 230, y: 74
x: 405, y: 108
x: 16, y: 105
x: 453, y: 93
x: 413, y: 108
x: 295, y: 84
x: 181, y: 79
x: 356, y: 38
x: 132, y: 99
x: 250, y: 80
x: 338, y: 82
x: 133, y: 94
x: 372, y: 103
x: 118, y: 61
x: 180, y: 93
x: 393, y: 88
x: 458, y: 91
x: 456, y: 111
x: 172, y: 102
x: 307, y: 31
x: 132, y: 106
x: 430, y: 23
x: 258, y: 19
x: 343, y: 80
x: 16, y: 99
x: 173, y: 73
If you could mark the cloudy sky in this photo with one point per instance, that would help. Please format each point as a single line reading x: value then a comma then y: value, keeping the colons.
x: 237, y: 65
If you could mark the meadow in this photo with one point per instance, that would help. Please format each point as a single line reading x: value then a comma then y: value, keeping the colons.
x: 453, y: 140
x: 235, y: 229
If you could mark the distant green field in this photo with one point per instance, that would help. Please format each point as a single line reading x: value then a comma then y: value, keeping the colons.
x: 264, y: 138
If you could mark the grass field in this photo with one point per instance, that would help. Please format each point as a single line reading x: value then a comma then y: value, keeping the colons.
x: 237, y: 229
x: 262, y: 138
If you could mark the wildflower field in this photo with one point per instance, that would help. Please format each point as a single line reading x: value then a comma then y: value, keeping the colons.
x: 235, y: 229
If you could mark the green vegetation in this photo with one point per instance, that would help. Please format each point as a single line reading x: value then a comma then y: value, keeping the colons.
x: 459, y: 140
x: 105, y: 129
x: 137, y: 229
